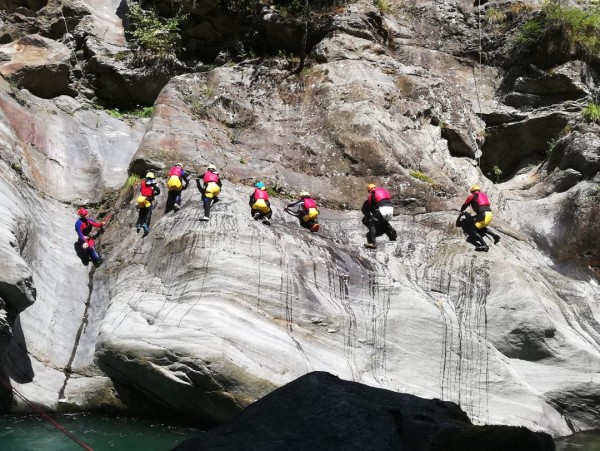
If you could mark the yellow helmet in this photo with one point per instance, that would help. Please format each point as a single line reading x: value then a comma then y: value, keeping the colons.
x: 371, y: 186
x: 304, y: 194
x: 150, y: 175
x: 475, y: 188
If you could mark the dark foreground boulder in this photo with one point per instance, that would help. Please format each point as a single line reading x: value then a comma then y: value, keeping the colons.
x: 319, y: 411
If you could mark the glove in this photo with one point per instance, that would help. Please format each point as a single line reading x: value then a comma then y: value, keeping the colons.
x: 85, y: 245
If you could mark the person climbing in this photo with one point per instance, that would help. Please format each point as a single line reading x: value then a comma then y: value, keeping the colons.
x: 305, y: 209
x: 260, y: 205
x: 145, y: 202
x: 210, y: 188
x: 377, y: 211
x: 177, y: 182
x: 480, y: 204
x: 84, y: 227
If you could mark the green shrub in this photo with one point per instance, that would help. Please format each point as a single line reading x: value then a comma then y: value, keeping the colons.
x: 591, y: 113
x: 575, y: 27
x: 131, y: 181
x: 383, y: 5
x: 157, y: 38
x: 420, y: 176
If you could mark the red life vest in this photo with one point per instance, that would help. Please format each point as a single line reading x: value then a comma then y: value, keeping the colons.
x: 210, y: 177
x: 260, y: 194
x: 146, y: 191
x: 176, y: 170
x: 309, y: 203
x: 380, y: 194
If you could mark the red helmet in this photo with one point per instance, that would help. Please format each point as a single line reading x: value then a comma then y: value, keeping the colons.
x: 82, y: 212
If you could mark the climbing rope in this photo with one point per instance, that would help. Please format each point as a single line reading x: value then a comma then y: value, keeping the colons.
x: 74, y: 51
x: 480, y: 72
x: 47, y: 417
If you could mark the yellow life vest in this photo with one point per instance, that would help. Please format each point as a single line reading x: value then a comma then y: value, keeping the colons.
x: 212, y: 190
x: 261, y: 205
x: 311, y: 215
x: 143, y: 202
x: 174, y: 183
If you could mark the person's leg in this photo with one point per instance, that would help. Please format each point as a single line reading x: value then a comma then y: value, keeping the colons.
x: 488, y: 231
x: 207, y: 203
x: 170, y: 201
x: 148, y: 216
x: 177, y: 204
x: 256, y: 214
x: 372, y: 235
x: 390, y: 231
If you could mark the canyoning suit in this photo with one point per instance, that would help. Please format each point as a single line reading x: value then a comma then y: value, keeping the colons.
x: 378, y: 210
x: 480, y: 204
x: 210, y: 188
x: 260, y: 205
x: 84, y: 227
x: 145, y: 202
x: 306, y: 211
x: 177, y: 182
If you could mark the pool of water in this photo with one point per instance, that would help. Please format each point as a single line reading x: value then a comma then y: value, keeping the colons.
x: 582, y: 441
x: 33, y: 433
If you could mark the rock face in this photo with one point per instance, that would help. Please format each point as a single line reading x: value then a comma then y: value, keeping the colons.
x: 204, y: 318
x: 320, y: 411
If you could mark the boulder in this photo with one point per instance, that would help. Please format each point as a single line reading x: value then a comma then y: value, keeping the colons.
x: 37, y: 64
x: 321, y: 411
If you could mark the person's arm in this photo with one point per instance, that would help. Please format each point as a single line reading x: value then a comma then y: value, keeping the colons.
x: 96, y: 223
x: 251, y: 202
x: 466, y: 203
x: 156, y: 189
x: 365, y: 210
x: 185, y: 180
x: 219, y: 182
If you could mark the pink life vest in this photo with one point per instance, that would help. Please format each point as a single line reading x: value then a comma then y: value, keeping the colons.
x: 482, y: 200
x: 260, y: 194
x: 210, y: 177
x: 309, y: 203
x: 176, y: 170
x: 380, y: 194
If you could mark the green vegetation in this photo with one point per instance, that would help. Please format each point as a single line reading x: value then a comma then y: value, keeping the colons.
x: 383, y: 5
x: 199, y: 104
x: 420, y: 176
x: 591, y: 113
x: 157, y: 38
x: 131, y: 181
x: 140, y: 112
x: 575, y: 27
x: 16, y: 166
x: 495, y: 174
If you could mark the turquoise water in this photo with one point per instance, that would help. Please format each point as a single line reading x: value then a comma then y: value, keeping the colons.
x: 32, y: 433
x: 582, y: 441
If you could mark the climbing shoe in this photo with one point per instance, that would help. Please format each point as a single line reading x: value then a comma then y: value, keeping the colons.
x: 137, y: 229
x: 496, y: 239
x: 256, y: 216
x: 266, y: 222
x: 176, y: 207
x: 482, y: 248
x: 205, y: 218
x: 371, y: 245
x: 315, y: 228
x: 146, y: 230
